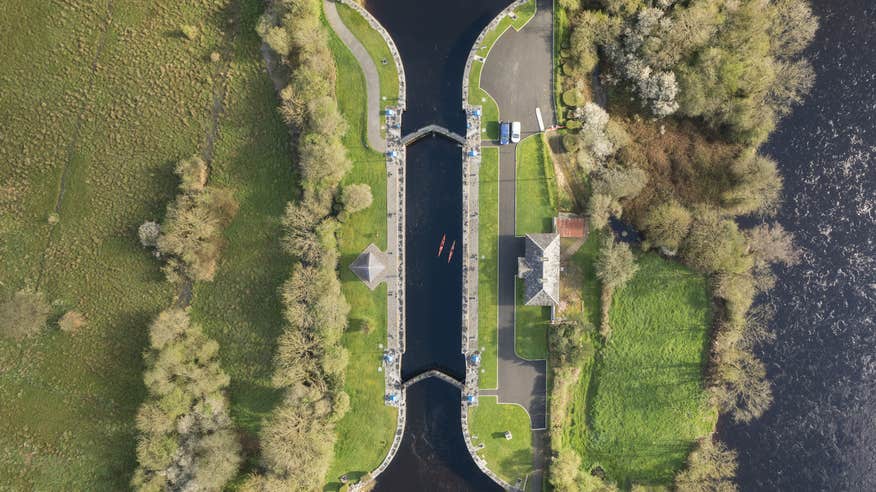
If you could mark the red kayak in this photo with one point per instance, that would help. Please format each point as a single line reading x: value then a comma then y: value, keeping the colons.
x: 450, y: 256
x: 441, y: 246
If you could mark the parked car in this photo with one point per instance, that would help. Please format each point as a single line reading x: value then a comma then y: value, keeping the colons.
x: 515, y: 131
x: 504, y: 133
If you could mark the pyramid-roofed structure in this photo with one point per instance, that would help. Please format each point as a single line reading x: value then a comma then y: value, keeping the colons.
x: 370, y: 266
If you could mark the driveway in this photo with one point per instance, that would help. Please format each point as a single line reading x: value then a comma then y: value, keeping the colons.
x: 518, y: 74
x: 519, y: 71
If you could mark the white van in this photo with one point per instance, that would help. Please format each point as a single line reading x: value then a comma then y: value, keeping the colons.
x: 515, y: 131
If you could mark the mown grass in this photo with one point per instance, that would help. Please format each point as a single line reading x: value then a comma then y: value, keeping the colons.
x: 110, y: 106
x: 536, y: 187
x: 488, y: 273
x: 241, y: 308
x: 510, y: 459
x: 366, y: 432
x: 379, y: 51
x: 477, y: 95
x: 648, y: 404
x: 531, y: 325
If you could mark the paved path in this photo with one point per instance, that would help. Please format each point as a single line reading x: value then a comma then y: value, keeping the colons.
x: 369, y: 69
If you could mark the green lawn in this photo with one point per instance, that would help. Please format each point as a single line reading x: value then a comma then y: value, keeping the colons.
x: 241, y: 308
x: 379, y: 51
x: 366, y: 432
x: 488, y: 248
x: 536, y: 187
x: 477, y: 95
x: 648, y: 405
x: 531, y: 324
x: 510, y: 459
x: 114, y: 134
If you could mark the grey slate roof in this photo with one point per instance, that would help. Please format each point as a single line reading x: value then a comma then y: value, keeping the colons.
x: 540, y: 269
x: 370, y: 266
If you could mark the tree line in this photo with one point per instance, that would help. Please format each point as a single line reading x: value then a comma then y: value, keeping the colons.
x: 694, y: 88
x: 187, y: 440
x: 297, y: 441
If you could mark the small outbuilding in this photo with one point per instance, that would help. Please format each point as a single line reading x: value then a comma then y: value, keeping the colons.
x: 572, y: 226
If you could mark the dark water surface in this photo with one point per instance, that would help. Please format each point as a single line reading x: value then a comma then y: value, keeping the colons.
x: 433, y: 455
x: 434, y: 285
x: 820, y: 433
x: 434, y: 39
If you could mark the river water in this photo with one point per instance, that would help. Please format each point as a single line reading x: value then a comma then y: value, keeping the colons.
x: 820, y: 433
x: 434, y: 39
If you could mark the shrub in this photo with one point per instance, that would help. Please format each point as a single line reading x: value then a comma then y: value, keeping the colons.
x: 572, y: 97
x: 192, y: 173
x: 711, y: 467
x: 192, y: 230
x: 571, y: 142
x: 601, y: 208
x: 616, y: 264
x: 620, y: 182
x: 715, y: 245
x: 356, y: 197
x: 667, y: 225
x: 72, y: 321
x: 148, y: 233
x: 189, y: 31
x: 278, y: 40
x: 24, y: 315
x: 568, y: 345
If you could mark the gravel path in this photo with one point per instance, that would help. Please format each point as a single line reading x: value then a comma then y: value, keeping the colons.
x: 369, y: 69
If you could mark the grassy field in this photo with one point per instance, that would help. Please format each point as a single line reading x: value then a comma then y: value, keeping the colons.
x: 379, y: 51
x: 488, y: 274
x: 103, y: 97
x: 536, y: 185
x: 477, y: 95
x: 510, y: 459
x: 366, y: 432
x: 648, y: 405
x: 531, y: 324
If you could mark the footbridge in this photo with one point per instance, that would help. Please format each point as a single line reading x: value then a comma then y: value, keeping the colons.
x: 433, y: 373
x: 432, y: 130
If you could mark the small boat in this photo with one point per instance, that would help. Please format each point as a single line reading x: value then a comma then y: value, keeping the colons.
x: 441, y: 246
x: 450, y: 256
